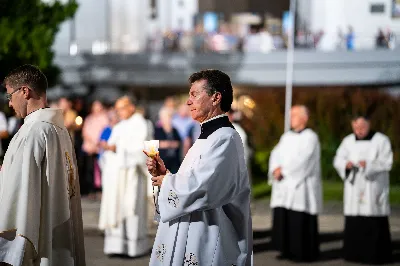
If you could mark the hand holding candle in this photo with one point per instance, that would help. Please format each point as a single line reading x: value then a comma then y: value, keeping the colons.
x: 151, y: 148
x: 155, y: 164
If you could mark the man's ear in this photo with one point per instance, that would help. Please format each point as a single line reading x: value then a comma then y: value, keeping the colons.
x: 27, y: 92
x: 217, y: 98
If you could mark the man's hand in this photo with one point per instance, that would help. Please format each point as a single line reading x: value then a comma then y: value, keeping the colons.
x: 362, y: 164
x: 155, y: 165
x: 277, y: 173
x: 157, y: 180
x: 349, y: 165
x: 104, y: 145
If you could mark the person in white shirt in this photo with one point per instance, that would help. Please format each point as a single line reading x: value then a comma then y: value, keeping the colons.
x: 295, y: 175
x: 363, y: 160
x: 40, y: 206
x: 204, y: 209
x: 123, y: 214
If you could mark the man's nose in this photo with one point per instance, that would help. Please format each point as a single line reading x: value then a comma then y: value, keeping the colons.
x: 189, y: 102
x: 10, y: 104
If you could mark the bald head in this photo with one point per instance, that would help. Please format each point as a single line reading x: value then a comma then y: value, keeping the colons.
x: 299, y: 117
x: 360, y: 126
x: 124, y: 107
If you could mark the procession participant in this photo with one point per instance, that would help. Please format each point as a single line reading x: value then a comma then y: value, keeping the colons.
x: 124, y: 208
x: 363, y: 160
x: 40, y: 205
x: 295, y: 175
x: 204, y: 208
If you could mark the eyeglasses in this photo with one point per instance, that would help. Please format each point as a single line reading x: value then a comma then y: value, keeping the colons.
x: 9, y: 95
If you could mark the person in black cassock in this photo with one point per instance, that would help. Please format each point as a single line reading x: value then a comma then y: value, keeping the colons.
x: 295, y: 175
x: 363, y: 160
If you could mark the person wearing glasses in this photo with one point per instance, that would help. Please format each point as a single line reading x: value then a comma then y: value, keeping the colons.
x: 204, y: 209
x: 40, y: 206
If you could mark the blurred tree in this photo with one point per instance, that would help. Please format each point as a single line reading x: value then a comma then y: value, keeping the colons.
x: 27, y: 33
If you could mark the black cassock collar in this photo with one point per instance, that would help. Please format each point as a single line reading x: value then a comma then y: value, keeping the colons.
x: 210, y: 127
x: 367, y: 137
x: 298, y: 132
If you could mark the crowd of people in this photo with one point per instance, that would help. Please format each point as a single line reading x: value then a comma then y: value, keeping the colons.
x: 198, y: 184
x: 260, y: 39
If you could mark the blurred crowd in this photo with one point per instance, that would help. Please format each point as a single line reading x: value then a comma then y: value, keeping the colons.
x: 259, y: 39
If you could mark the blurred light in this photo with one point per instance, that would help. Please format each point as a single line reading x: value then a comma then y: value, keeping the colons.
x: 73, y: 49
x: 99, y: 47
x: 249, y: 103
x: 78, y: 120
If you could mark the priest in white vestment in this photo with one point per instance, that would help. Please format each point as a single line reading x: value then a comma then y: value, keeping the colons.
x: 363, y: 160
x: 205, y: 207
x: 41, y: 216
x: 296, y: 200
x: 123, y: 213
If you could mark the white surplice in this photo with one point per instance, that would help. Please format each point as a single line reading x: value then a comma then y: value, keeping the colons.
x: 123, y: 213
x: 366, y: 190
x: 41, y: 216
x: 243, y: 137
x: 205, y: 207
x: 298, y: 154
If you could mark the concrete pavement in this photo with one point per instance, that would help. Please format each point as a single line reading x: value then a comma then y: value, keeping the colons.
x: 330, y: 223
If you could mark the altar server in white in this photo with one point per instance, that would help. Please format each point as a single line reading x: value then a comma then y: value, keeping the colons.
x: 123, y: 213
x: 41, y: 216
x: 295, y: 175
x: 363, y: 160
x: 205, y: 207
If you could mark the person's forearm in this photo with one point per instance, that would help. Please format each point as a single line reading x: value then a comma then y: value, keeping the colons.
x: 4, y: 134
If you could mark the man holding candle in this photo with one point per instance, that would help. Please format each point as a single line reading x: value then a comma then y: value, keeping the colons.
x: 204, y: 208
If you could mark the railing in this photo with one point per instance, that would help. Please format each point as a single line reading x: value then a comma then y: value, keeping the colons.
x: 310, y: 68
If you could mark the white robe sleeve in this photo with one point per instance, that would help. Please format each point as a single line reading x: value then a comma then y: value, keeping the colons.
x: 302, y: 167
x: 383, y: 162
x: 340, y: 160
x: 274, y: 162
x: 211, y: 183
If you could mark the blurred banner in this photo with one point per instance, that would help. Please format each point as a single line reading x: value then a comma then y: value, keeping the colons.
x: 210, y: 22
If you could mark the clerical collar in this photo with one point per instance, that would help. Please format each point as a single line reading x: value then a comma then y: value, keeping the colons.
x: 213, y: 124
x: 367, y: 137
x: 213, y: 118
x: 298, y: 132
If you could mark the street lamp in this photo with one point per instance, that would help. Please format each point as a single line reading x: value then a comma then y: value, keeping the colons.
x: 289, y: 64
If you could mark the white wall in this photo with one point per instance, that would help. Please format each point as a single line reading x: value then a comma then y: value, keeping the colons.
x: 127, y: 26
x: 176, y: 14
x: 90, y: 25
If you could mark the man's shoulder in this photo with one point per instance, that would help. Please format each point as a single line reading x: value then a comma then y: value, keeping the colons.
x: 39, y: 127
x: 349, y: 138
x: 223, y: 134
x: 381, y: 137
x: 310, y: 133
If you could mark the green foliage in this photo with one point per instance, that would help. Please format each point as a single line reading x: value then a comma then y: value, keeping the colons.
x: 27, y: 32
x: 332, y: 191
x: 330, y: 110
